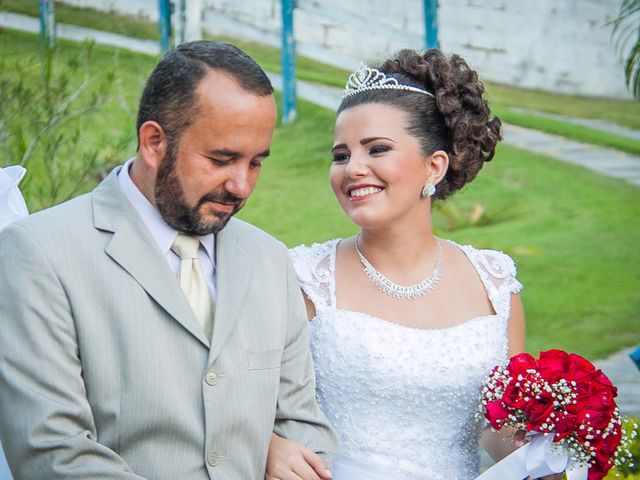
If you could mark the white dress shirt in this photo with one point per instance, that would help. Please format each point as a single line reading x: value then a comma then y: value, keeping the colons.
x: 164, y: 234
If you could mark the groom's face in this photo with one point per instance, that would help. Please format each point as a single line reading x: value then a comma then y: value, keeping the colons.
x: 208, y: 173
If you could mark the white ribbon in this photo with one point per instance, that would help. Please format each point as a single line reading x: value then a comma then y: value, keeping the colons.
x: 536, y: 459
x: 12, y: 205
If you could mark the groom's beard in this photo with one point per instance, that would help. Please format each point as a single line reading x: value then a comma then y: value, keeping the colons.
x: 173, y: 206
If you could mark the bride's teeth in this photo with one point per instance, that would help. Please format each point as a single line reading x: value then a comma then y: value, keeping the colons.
x: 361, y: 192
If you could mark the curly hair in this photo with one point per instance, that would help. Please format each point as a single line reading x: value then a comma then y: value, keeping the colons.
x: 456, y: 119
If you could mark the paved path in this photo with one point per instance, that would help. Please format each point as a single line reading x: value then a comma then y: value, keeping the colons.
x: 583, y: 122
x: 606, y: 161
x: 626, y: 376
x: 73, y: 32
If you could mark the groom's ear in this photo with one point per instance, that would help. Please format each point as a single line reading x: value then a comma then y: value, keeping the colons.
x: 153, y: 144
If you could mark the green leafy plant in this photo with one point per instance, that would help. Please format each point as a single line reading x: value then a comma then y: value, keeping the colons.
x: 43, y: 124
x: 631, y: 469
x: 626, y: 32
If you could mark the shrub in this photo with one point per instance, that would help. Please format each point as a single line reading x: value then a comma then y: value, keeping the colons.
x: 45, y: 123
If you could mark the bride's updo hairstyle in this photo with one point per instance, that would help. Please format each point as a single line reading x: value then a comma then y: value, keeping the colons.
x: 455, y: 119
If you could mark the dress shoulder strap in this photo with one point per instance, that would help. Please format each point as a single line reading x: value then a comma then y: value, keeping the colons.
x: 497, y: 270
x: 315, y: 269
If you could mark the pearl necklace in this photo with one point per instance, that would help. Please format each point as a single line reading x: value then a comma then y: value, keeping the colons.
x: 402, y: 292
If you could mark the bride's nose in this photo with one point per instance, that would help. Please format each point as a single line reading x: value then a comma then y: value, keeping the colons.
x: 357, y: 165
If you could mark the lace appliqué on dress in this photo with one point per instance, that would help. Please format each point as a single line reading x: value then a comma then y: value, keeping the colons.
x: 315, y: 269
x: 497, y: 271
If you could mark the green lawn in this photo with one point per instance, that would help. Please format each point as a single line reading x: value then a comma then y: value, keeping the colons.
x: 574, y: 234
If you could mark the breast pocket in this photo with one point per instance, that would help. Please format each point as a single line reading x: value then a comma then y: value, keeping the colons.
x: 264, y: 359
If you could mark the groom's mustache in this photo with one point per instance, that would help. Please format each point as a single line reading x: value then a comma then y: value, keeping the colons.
x: 221, y: 197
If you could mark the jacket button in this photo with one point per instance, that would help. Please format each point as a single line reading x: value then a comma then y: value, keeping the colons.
x: 211, y: 377
x: 213, y: 459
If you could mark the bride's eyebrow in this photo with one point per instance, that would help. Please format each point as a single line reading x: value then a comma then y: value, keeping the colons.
x: 339, y: 146
x: 364, y: 141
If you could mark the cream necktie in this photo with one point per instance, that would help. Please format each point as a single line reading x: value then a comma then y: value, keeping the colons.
x: 192, y: 281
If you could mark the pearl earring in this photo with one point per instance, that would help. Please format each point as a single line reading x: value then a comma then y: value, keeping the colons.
x: 428, y: 190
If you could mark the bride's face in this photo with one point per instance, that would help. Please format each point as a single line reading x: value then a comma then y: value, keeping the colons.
x: 378, y: 168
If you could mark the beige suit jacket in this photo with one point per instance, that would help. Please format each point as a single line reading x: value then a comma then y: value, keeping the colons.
x: 105, y: 372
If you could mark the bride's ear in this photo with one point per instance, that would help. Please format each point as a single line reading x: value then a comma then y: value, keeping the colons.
x: 153, y: 144
x: 437, y: 164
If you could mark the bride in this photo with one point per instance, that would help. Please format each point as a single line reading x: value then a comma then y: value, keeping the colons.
x: 405, y: 326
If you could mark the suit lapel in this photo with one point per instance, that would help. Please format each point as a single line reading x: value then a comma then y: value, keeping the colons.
x: 233, y: 278
x: 134, y: 249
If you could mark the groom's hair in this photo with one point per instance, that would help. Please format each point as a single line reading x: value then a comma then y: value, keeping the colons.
x: 169, y: 95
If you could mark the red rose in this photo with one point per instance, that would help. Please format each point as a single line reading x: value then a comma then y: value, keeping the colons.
x: 538, y: 411
x: 599, y: 419
x: 553, y: 365
x: 579, y: 367
x: 513, y: 396
x: 520, y: 368
x: 583, y: 388
x: 606, y: 447
x: 596, y: 420
x: 519, y: 364
x: 601, y: 399
x: 599, y: 470
x: 497, y: 413
x: 565, y: 425
x: 599, y: 380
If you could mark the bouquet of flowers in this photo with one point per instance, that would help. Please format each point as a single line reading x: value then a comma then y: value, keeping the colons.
x: 566, y: 406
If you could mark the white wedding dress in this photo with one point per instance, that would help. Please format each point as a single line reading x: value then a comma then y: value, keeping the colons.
x: 12, y: 207
x: 403, y: 400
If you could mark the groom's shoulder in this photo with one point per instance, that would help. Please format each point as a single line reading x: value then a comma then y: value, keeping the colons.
x: 53, y: 232
x: 250, y: 236
x: 69, y: 215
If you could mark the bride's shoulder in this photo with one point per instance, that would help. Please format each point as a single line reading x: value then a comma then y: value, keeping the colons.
x: 494, y: 263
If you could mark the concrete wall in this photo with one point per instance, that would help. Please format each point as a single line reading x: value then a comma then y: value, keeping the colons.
x: 555, y: 45
x: 558, y: 45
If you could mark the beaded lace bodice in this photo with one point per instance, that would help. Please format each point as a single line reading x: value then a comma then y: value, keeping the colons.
x: 401, y: 397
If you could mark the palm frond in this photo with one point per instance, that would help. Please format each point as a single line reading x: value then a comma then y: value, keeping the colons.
x: 626, y: 35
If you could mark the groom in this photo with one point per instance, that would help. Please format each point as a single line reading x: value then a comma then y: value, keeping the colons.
x: 144, y: 332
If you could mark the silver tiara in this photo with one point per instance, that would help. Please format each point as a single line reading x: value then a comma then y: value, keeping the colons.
x: 367, y: 78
